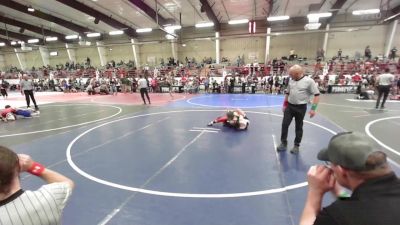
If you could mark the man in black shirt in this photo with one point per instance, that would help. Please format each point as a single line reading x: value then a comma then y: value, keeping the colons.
x: 393, y: 53
x: 353, y: 163
x: 367, y: 53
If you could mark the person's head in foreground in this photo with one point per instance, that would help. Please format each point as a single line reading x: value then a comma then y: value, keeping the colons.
x: 42, y: 206
x: 353, y: 158
x: 355, y: 163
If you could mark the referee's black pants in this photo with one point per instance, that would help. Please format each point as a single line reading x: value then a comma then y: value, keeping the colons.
x: 298, y: 112
x: 144, y: 91
x: 382, y: 90
x: 28, y: 96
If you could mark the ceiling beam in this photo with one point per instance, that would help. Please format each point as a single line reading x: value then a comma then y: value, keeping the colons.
x: 18, y: 36
x: 24, y: 9
x: 100, y: 16
x: 392, y: 14
x: 150, y: 12
x: 316, y: 7
x: 7, y: 42
x: 396, y: 9
x: 194, y: 8
x: 335, y: 8
x: 35, y: 29
x: 205, y: 7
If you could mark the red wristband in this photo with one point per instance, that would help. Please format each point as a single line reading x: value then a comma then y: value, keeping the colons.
x: 285, y: 103
x: 36, y: 169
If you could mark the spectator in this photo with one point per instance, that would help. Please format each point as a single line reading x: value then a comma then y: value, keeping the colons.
x: 43, y: 206
x: 3, y: 88
x: 354, y: 164
x: 367, y: 53
x: 398, y: 85
x: 339, y: 54
x: 320, y: 54
x: 393, y: 53
x: 291, y: 55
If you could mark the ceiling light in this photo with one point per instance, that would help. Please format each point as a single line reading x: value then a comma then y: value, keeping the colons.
x: 51, y: 38
x: 13, y: 43
x: 365, y: 12
x: 207, y: 24
x: 183, y: 45
x: 53, y: 53
x: 238, y: 21
x: 173, y: 27
x: 143, y: 30
x: 116, y: 32
x: 312, y: 26
x: 73, y: 36
x: 30, y: 9
x: 169, y: 37
x: 2, y: 44
x: 319, y: 15
x: 93, y: 35
x: 31, y: 41
x: 277, y: 18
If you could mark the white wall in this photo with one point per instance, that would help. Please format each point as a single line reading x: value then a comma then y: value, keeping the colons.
x: 253, y: 49
x: 120, y: 52
x: 197, y: 49
x: 155, y: 51
x: 91, y: 52
x: 33, y: 58
x: 61, y: 58
x: 350, y: 42
x: 11, y: 60
x: 305, y: 45
x: 396, y: 39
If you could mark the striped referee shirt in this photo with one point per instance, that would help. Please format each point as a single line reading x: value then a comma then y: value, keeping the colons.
x: 300, y: 91
x: 26, y: 85
x: 41, y: 207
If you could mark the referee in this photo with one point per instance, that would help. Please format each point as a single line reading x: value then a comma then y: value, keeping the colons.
x: 384, y: 83
x: 27, y: 90
x: 300, y: 90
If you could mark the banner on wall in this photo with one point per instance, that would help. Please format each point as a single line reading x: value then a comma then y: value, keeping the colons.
x: 151, y: 59
x: 253, y: 55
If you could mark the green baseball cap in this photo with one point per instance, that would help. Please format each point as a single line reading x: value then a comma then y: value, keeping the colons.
x: 349, y: 150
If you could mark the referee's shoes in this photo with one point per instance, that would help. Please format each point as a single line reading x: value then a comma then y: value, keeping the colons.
x: 283, y: 147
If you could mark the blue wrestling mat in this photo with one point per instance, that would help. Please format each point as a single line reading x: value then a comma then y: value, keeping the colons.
x: 163, y: 165
x: 235, y: 101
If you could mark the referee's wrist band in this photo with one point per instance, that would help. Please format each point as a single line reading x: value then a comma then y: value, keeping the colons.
x: 36, y: 169
x: 314, y: 106
x: 285, y: 103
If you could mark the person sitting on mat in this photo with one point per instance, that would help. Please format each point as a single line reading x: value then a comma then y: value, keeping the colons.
x: 233, y: 118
